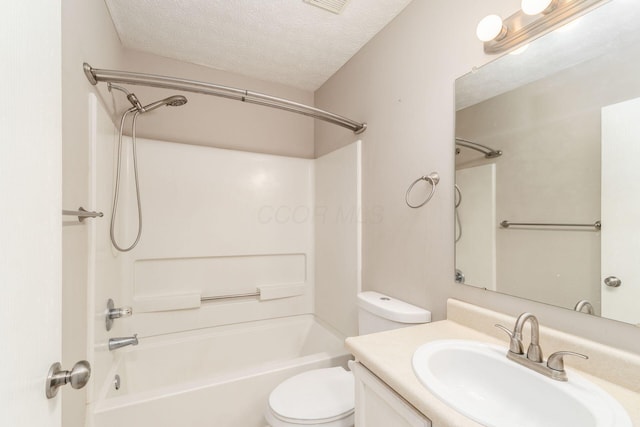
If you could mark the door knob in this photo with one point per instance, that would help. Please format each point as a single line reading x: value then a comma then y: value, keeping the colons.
x: 613, y: 282
x: 78, y: 377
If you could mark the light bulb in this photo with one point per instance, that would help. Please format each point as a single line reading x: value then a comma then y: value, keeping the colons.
x: 535, y: 7
x: 490, y: 28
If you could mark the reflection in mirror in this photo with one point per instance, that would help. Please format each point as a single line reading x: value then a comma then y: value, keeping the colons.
x: 565, y: 116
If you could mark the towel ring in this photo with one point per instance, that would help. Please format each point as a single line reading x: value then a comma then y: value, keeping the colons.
x: 433, y: 178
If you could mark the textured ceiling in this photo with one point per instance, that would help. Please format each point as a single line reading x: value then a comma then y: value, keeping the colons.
x: 285, y: 41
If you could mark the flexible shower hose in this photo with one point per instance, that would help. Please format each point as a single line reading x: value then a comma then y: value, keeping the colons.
x: 117, y: 186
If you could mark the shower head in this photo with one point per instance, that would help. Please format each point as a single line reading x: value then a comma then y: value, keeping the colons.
x: 172, y: 101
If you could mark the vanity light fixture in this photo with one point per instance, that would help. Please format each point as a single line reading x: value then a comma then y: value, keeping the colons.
x: 536, y: 18
x: 536, y: 7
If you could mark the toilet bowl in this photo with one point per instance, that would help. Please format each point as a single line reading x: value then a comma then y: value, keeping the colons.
x: 320, y: 397
x: 325, y: 397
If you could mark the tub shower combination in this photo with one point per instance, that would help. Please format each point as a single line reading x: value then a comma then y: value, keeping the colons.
x: 221, y: 323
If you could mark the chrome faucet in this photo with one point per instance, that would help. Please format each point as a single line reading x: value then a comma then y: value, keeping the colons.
x: 553, y: 368
x: 534, y: 352
x: 115, y: 343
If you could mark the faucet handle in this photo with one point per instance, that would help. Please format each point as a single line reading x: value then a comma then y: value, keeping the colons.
x: 515, y: 345
x: 556, y: 360
x: 115, y: 313
x: 504, y: 329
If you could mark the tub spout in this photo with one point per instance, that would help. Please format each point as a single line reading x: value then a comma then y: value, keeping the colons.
x: 115, y: 343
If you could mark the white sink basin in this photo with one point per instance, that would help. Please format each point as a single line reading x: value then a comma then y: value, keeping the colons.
x: 478, y: 380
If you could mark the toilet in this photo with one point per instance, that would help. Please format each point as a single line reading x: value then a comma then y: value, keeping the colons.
x: 325, y: 397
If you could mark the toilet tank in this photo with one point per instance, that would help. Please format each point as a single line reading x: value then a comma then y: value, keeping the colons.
x: 378, y: 312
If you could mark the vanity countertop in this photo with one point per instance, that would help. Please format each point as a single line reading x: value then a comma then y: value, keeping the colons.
x: 388, y: 355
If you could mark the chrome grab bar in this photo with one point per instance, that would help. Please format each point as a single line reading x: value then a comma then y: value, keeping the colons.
x: 82, y: 213
x: 506, y: 224
x: 221, y: 297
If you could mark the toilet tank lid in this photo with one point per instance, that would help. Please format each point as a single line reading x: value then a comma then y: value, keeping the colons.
x: 392, y: 309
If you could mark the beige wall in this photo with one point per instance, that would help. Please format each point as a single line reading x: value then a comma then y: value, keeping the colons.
x: 220, y: 122
x: 402, y: 84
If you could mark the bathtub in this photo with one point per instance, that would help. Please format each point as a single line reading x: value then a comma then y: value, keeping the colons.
x: 217, y: 377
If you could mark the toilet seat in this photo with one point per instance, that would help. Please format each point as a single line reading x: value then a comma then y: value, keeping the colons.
x: 322, y: 397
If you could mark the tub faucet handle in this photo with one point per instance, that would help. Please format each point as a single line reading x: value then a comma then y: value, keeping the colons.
x: 115, y: 313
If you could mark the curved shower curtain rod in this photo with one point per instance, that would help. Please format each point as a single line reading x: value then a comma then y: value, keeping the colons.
x: 488, y: 152
x: 95, y: 75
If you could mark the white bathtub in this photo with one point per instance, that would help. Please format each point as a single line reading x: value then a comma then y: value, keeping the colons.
x: 218, y: 377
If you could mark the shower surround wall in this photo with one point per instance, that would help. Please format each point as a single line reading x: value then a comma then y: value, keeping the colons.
x: 219, y: 222
x: 338, y: 237
x: 476, y: 225
x: 215, y: 222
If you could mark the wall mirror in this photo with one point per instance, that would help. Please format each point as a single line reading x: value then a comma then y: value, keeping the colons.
x: 548, y: 149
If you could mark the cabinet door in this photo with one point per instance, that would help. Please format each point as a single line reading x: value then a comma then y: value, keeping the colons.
x: 377, y: 405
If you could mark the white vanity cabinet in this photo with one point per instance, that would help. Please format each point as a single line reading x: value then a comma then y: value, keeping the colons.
x: 377, y: 405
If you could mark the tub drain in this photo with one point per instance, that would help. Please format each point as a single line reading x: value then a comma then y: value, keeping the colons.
x: 116, y: 382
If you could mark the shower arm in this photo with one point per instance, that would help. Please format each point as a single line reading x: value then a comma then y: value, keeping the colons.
x: 95, y: 76
x: 488, y: 152
x: 133, y: 99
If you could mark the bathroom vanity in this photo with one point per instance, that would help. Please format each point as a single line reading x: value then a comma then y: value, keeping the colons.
x: 377, y: 405
x: 388, y: 392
